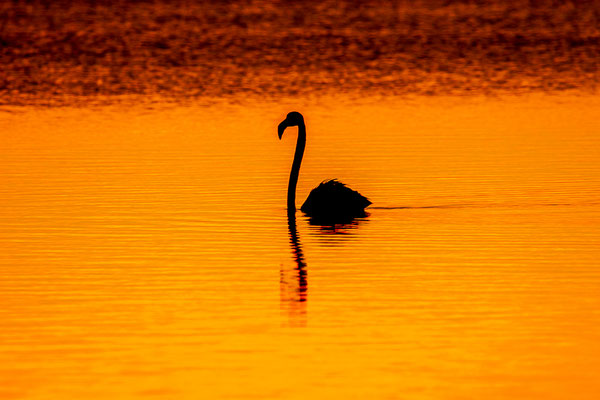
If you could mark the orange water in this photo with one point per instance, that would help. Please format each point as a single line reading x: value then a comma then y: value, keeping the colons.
x: 146, y: 252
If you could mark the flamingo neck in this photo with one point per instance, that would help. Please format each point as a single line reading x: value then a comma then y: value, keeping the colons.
x: 300, y: 144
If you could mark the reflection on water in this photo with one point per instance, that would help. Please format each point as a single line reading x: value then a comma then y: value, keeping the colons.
x: 294, y: 281
x: 148, y: 253
x: 346, y: 227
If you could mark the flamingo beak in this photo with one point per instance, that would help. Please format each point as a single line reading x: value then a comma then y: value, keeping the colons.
x: 281, y: 128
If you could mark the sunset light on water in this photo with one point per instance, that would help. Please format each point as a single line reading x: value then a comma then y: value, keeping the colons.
x: 147, y: 247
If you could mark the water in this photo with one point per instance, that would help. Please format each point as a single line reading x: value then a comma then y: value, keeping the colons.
x: 146, y: 252
x: 145, y: 247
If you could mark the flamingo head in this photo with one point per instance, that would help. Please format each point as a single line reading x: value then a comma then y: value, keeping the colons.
x: 293, y: 119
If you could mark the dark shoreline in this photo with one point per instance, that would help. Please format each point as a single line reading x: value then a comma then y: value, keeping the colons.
x: 52, y: 53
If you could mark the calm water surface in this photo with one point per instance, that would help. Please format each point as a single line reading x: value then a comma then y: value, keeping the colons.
x: 146, y: 253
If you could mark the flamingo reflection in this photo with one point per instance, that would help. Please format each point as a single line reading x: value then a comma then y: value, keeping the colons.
x: 294, y: 282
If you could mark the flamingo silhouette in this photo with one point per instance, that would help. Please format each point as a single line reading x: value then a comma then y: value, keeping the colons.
x: 331, y: 200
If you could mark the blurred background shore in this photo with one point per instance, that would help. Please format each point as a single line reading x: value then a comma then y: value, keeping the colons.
x: 67, y: 52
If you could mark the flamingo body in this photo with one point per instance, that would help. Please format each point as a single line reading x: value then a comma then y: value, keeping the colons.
x: 332, y: 198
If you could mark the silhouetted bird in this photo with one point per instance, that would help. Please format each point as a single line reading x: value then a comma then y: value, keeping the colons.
x: 331, y: 200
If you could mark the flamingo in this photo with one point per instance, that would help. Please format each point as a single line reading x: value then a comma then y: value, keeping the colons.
x: 331, y: 200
